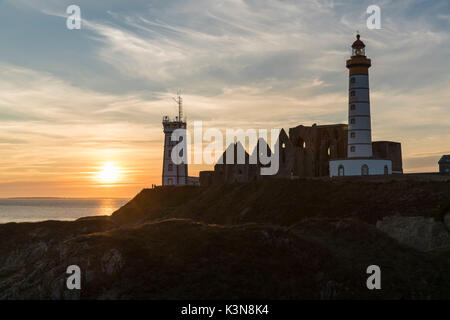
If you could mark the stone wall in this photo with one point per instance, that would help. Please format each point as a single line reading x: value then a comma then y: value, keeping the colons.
x: 305, y: 152
x: 315, y: 146
x: 391, y: 151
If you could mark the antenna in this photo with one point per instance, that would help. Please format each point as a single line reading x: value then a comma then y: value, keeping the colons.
x: 179, y: 101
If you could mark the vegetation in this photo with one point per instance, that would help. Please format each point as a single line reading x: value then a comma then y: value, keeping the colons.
x: 274, y: 239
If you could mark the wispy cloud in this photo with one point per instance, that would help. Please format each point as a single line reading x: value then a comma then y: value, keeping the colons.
x: 239, y: 63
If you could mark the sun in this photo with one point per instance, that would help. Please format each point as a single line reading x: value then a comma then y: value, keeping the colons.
x: 109, y: 173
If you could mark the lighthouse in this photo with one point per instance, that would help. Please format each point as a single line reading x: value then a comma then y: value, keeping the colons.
x: 360, y: 160
x: 174, y: 174
x: 359, y: 128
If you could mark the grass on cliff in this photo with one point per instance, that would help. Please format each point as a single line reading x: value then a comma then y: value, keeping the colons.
x: 285, y: 202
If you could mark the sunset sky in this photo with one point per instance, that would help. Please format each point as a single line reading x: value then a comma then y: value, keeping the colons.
x: 76, y: 103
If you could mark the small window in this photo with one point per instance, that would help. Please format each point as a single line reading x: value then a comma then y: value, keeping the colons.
x: 352, y: 121
x: 283, y: 145
x: 352, y: 107
x: 341, y: 171
x: 352, y: 93
x: 169, y: 181
x: 364, y: 170
x: 352, y: 135
x: 352, y: 149
x: 170, y: 167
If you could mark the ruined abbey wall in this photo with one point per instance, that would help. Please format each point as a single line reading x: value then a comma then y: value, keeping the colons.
x: 305, y: 152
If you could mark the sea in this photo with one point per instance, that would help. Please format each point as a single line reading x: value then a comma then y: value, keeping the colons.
x: 40, y: 209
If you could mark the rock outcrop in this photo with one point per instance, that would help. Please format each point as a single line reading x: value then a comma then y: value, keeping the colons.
x: 424, y: 234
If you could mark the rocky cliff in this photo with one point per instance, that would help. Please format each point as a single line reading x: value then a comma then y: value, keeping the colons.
x: 281, y: 239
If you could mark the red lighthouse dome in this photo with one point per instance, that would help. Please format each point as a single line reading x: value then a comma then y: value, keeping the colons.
x: 358, y: 47
x: 358, y: 43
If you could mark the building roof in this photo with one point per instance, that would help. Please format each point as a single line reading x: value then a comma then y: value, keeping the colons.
x: 445, y: 159
x: 234, y: 149
x: 358, y: 43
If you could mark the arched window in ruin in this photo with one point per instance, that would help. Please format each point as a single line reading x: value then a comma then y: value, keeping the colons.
x: 341, y: 172
x: 301, y: 143
x: 364, y: 170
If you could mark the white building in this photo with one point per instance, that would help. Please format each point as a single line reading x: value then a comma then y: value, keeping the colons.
x: 175, y: 174
x: 359, y: 159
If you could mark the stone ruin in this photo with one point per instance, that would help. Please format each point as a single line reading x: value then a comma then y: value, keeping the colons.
x: 305, y: 152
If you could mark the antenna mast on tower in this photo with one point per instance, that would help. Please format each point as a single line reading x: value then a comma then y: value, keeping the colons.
x: 179, y: 101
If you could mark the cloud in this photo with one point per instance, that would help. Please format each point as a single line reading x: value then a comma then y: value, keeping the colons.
x: 265, y: 63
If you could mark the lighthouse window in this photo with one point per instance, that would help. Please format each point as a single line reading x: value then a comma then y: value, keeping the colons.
x: 352, y: 121
x: 352, y: 149
x: 352, y: 93
x: 352, y: 135
x: 352, y: 107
